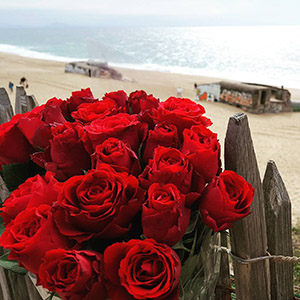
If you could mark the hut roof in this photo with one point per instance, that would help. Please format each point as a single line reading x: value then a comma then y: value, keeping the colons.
x: 240, y: 86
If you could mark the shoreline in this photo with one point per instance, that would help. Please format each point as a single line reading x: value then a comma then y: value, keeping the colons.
x: 161, y: 69
x: 275, y: 136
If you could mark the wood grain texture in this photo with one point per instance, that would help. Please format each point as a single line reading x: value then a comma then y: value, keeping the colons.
x: 248, y: 236
x: 6, y: 111
x: 279, y: 232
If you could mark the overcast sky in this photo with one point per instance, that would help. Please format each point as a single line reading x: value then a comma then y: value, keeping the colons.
x: 149, y: 12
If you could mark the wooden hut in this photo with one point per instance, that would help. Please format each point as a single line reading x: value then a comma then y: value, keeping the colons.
x: 255, y: 98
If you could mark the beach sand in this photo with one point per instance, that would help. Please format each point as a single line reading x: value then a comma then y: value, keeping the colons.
x: 275, y: 136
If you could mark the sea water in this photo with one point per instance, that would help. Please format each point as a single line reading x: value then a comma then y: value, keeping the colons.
x: 260, y: 54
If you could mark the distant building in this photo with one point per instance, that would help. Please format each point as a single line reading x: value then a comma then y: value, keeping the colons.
x: 93, y: 69
x: 254, y: 98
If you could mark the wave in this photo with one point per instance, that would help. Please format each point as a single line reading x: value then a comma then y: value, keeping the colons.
x: 287, y: 79
x: 26, y: 52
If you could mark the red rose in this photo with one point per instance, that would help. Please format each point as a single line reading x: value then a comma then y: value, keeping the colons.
x: 79, y: 97
x: 143, y: 104
x: 14, y: 147
x: 119, y: 97
x: 202, y: 148
x: 88, y: 112
x: 36, y: 124
x: 66, y: 156
x: 161, y: 135
x: 142, y: 269
x: 33, y: 192
x: 122, y: 126
x: 116, y: 154
x: 168, y: 165
x: 101, y: 203
x: 31, y: 235
x: 139, y: 101
x: 61, y: 104
x: 165, y: 217
x: 181, y: 112
x: 74, y: 275
x: 225, y: 200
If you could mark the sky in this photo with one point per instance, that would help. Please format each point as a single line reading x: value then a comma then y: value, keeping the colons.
x: 149, y: 12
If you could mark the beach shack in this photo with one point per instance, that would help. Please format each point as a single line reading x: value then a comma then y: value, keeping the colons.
x: 255, y: 98
x: 252, y: 97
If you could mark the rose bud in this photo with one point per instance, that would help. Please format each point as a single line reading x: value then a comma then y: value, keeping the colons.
x: 74, y: 275
x: 66, y: 156
x: 142, y: 104
x: 116, y: 154
x: 14, y: 146
x: 122, y: 126
x: 161, y: 135
x: 181, y: 112
x: 31, y: 235
x: 120, y: 98
x: 142, y: 269
x: 33, y: 192
x: 79, y: 97
x: 225, y: 200
x: 88, y: 112
x: 164, y: 216
x: 168, y: 165
x: 202, y: 148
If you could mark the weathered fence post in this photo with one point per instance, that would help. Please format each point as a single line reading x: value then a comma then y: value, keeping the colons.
x: 17, y: 287
x: 24, y: 103
x: 4, y: 192
x: 279, y: 232
x: 223, y: 289
x: 248, y: 236
x: 6, y: 111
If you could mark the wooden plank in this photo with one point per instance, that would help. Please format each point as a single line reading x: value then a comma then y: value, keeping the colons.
x: 31, y: 102
x: 32, y: 289
x: 4, y: 192
x: 279, y: 232
x: 6, y: 111
x: 248, y: 236
x: 15, y: 286
x: 4, y: 295
x: 21, y: 100
x: 223, y: 290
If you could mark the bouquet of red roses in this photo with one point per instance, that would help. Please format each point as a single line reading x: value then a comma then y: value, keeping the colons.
x: 116, y: 198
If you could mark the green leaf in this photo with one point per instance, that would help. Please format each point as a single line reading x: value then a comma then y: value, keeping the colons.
x: 11, y: 265
x: 16, y: 174
x: 53, y: 294
x: 193, y: 222
x: 180, y: 246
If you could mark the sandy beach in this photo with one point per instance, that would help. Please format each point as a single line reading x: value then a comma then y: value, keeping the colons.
x: 275, y: 136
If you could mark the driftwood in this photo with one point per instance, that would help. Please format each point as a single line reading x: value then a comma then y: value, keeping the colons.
x: 279, y: 232
x: 248, y: 236
x: 6, y: 110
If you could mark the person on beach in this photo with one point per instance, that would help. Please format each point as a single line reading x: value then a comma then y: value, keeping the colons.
x: 198, y: 91
x: 24, y: 82
x: 11, y: 86
x: 179, y: 92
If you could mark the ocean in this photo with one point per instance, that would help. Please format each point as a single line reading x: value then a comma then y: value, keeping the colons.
x: 260, y: 54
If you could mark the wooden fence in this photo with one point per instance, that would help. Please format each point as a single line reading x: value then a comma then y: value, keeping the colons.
x: 266, y: 230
